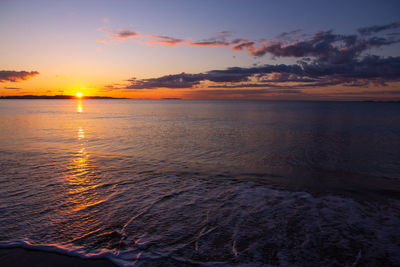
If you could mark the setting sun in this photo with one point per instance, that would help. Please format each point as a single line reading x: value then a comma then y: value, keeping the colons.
x: 178, y: 132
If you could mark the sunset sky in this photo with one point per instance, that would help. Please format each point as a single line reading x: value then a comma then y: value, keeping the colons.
x: 327, y: 50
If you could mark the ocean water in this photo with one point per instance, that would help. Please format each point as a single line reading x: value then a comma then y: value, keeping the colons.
x: 176, y: 182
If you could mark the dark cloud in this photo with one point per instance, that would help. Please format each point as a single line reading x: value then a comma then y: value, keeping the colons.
x: 369, y: 93
x: 12, y: 88
x: 284, y: 77
x: 322, y: 46
x: 219, y: 40
x: 378, y: 28
x: 288, y: 35
x: 183, y: 80
x: 188, y: 80
x: 247, y: 85
x: 243, y: 94
x: 16, y: 76
x: 248, y: 92
x: 242, y: 44
x: 371, y: 69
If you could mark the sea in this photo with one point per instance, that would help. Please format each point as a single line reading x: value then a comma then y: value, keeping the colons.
x: 208, y: 183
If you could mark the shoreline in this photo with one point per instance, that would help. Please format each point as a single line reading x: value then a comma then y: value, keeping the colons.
x: 18, y: 256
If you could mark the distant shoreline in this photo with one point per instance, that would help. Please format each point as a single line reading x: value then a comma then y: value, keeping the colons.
x: 56, y: 97
x: 73, y: 97
x: 173, y: 98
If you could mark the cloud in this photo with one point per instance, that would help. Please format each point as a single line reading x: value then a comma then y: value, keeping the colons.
x: 249, y: 92
x: 324, y: 59
x: 12, y: 88
x: 209, y: 43
x: 370, y: 69
x: 324, y: 46
x: 236, y: 94
x: 219, y: 40
x: 16, y: 76
x: 170, y: 41
x: 118, y: 34
x: 243, y: 94
x: 123, y: 34
x: 243, y: 44
x: 183, y: 80
x: 247, y: 85
x: 373, y: 68
x: 111, y: 87
x: 287, y: 36
x: 378, y: 28
x: 165, y: 40
x: 370, y: 93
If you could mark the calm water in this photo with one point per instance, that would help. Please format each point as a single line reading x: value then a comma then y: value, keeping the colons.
x: 203, y: 182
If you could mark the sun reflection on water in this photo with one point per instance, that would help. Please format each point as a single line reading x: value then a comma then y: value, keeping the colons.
x: 79, y: 107
x: 81, y: 133
x: 81, y: 207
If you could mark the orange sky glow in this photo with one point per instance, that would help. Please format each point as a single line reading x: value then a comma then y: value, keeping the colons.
x: 95, y: 50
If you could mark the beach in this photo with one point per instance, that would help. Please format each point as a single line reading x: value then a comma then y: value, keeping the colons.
x: 36, y: 258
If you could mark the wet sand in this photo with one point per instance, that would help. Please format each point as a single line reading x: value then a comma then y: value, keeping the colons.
x: 28, y: 257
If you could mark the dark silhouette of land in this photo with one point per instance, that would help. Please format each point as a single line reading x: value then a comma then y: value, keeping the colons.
x: 56, y: 97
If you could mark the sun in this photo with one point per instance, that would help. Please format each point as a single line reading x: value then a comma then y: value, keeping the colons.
x: 79, y: 94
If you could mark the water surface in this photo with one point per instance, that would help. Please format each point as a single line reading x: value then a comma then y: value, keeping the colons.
x: 203, y: 182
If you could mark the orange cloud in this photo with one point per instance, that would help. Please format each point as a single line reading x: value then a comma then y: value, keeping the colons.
x: 166, y: 40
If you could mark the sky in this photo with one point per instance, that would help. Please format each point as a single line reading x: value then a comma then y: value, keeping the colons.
x: 286, y: 50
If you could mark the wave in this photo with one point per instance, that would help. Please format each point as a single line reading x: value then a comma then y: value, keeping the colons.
x: 244, y: 224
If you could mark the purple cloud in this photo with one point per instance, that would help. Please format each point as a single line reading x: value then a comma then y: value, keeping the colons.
x: 371, y: 69
x: 123, y: 34
x: 323, y: 46
x: 378, y: 28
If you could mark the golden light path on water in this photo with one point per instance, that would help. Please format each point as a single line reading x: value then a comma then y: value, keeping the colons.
x: 81, y: 197
x: 79, y: 108
x: 169, y: 181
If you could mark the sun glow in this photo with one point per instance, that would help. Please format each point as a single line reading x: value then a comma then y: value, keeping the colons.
x: 79, y: 94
